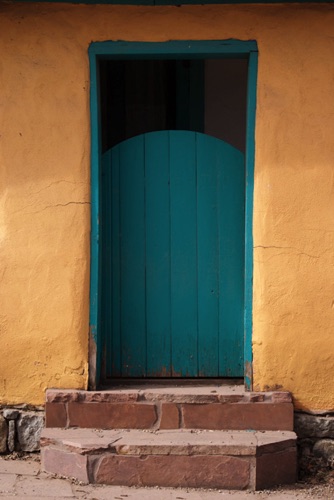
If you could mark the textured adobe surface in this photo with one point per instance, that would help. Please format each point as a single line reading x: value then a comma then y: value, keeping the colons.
x: 45, y: 186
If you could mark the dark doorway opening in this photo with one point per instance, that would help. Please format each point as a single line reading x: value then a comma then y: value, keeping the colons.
x: 140, y: 96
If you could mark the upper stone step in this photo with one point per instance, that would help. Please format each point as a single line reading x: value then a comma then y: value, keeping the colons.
x: 191, y: 407
x: 186, y: 458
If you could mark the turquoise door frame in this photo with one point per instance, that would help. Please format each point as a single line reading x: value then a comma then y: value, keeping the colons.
x: 167, y: 50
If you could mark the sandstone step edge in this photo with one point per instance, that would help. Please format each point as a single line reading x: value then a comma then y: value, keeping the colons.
x: 200, y: 459
x: 175, y: 394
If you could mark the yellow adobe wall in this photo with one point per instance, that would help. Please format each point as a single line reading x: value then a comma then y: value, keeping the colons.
x: 45, y: 187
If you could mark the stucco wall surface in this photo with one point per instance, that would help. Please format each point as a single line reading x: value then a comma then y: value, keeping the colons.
x: 45, y: 187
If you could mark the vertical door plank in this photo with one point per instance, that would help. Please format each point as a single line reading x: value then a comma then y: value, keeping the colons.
x: 208, y: 159
x: 132, y: 239
x: 231, y: 183
x: 183, y: 254
x: 157, y: 254
x: 106, y: 298
x: 106, y: 270
x: 115, y: 257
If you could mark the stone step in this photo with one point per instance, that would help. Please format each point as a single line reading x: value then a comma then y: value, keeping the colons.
x: 204, y: 407
x: 181, y: 458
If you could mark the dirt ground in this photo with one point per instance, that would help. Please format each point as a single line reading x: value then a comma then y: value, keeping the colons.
x: 20, y: 478
x: 316, y: 475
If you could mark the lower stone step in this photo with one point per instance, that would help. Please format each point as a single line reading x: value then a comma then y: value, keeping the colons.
x: 180, y: 458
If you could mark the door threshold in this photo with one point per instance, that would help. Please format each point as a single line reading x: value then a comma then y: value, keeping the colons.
x: 169, y: 382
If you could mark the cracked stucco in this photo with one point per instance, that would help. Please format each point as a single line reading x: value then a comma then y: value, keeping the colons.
x: 45, y: 193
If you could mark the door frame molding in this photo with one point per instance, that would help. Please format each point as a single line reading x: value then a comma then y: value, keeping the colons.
x: 167, y: 50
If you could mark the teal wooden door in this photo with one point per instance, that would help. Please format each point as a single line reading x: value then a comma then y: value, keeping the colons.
x: 173, y: 270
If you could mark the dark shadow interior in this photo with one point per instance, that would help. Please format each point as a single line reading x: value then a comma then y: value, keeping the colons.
x: 139, y: 96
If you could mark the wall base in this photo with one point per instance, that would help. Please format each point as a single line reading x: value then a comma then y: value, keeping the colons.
x: 20, y: 429
x: 315, y: 445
